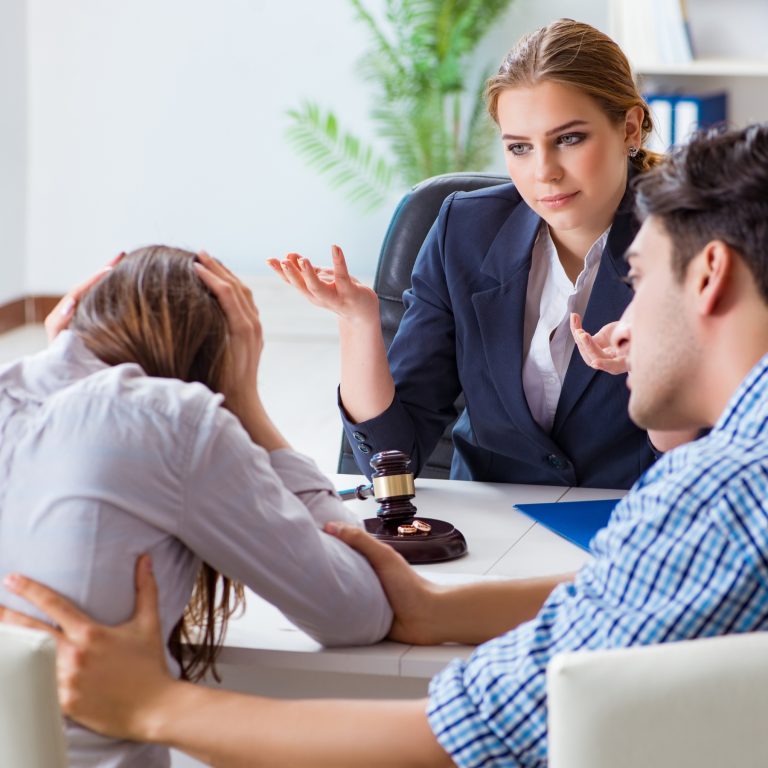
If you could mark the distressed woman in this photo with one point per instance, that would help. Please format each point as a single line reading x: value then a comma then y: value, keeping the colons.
x: 141, y: 429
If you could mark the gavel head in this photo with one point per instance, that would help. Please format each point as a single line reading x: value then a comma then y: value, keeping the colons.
x: 419, y: 541
x: 393, y: 487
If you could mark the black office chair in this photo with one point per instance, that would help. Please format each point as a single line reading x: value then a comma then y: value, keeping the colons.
x: 410, y: 223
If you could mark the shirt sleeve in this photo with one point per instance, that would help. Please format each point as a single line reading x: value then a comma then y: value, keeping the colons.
x: 490, y: 710
x: 665, y: 569
x: 257, y: 517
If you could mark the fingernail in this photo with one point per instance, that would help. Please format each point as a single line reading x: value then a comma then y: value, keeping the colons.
x: 12, y: 582
x: 332, y: 527
x: 303, y: 263
x: 67, y: 307
x: 147, y: 565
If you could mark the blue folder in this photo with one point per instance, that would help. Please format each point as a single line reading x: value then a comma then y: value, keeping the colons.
x: 576, y: 521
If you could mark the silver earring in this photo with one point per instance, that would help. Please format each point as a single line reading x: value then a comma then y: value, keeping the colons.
x: 632, y: 151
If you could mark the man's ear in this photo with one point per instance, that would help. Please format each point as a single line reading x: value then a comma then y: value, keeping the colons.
x: 711, y: 270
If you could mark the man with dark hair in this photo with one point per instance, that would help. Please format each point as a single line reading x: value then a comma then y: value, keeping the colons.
x: 684, y: 555
x: 714, y: 189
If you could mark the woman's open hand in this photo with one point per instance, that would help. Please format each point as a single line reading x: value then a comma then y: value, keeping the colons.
x: 334, y: 289
x: 597, y: 351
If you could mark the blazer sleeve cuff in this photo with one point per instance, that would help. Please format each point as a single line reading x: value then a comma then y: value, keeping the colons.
x: 390, y: 430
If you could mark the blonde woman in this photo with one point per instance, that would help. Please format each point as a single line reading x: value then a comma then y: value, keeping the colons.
x: 497, y: 280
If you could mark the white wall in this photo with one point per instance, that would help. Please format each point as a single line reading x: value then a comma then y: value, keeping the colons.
x: 13, y: 128
x: 164, y: 121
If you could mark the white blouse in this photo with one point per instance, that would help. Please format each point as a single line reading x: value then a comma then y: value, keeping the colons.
x: 547, y: 339
x: 99, y: 464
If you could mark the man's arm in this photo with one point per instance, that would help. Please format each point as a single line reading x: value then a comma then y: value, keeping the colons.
x: 428, y: 614
x: 229, y: 729
x: 115, y: 681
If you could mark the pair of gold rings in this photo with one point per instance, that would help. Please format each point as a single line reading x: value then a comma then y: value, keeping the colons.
x: 417, y: 526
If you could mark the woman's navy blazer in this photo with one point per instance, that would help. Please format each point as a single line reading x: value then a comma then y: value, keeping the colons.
x: 463, y: 331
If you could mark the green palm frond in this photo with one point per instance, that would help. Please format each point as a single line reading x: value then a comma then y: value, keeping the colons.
x: 430, y: 119
x: 473, y: 19
x: 386, y: 54
x: 400, y: 131
x: 481, y: 134
x: 349, y: 164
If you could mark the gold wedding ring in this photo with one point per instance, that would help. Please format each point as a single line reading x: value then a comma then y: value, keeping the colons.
x: 421, y: 526
x: 406, y: 530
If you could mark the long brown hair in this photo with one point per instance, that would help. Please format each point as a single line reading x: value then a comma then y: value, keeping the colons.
x: 153, y: 309
x: 573, y: 53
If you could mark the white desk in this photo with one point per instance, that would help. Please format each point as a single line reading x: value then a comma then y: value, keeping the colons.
x: 265, y: 654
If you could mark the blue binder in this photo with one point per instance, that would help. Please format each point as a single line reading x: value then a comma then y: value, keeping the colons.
x: 677, y: 115
x: 576, y: 521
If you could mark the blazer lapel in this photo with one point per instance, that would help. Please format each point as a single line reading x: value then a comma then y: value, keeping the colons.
x: 500, y: 313
x: 607, y: 302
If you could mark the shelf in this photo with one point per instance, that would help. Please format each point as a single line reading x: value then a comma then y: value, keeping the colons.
x: 710, y: 67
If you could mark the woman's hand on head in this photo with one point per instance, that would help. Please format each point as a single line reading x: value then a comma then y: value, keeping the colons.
x: 334, y: 289
x: 246, y: 340
x: 60, y: 316
x: 109, y: 678
x: 597, y: 351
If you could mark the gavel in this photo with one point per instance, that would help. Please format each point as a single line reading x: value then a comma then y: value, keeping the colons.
x: 418, y: 540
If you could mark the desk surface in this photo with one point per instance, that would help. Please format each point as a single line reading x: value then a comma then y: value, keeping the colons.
x: 502, y: 543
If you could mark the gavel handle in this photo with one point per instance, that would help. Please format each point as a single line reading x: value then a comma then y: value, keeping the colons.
x: 360, y: 492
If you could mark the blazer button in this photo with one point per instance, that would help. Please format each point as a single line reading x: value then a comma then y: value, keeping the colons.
x: 359, y: 436
x: 556, y: 461
x: 364, y: 448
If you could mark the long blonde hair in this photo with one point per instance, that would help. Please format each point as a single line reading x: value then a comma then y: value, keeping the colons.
x: 153, y: 309
x: 573, y: 53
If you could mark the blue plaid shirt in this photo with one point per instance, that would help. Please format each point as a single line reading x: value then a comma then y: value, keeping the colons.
x: 684, y: 555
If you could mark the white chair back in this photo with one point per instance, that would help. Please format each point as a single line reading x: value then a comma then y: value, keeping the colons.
x: 31, y: 728
x: 697, y: 703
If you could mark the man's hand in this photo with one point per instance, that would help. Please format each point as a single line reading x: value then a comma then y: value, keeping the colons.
x: 428, y: 614
x: 108, y: 677
x: 413, y: 599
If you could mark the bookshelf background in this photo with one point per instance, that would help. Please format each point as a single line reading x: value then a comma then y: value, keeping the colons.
x: 730, y: 54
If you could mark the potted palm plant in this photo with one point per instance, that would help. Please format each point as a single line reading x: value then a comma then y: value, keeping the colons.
x: 432, y: 119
